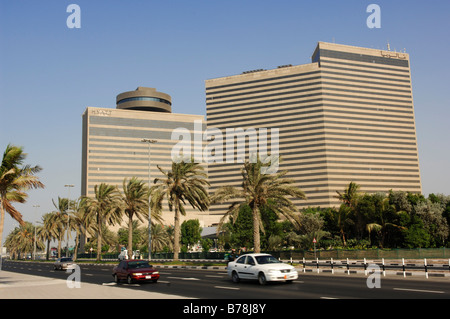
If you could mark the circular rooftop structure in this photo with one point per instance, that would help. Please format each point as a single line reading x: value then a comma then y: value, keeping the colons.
x: 144, y: 99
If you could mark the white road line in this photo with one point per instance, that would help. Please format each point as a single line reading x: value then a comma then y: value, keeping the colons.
x: 328, y: 298
x: 419, y: 290
x: 184, y: 278
x: 109, y: 284
x: 223, y: 287
x: 213, y: 276
x: 88, y: 274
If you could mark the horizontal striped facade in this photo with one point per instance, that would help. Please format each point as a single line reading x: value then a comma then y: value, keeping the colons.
x: 347, y: 116
x: 113, y: 149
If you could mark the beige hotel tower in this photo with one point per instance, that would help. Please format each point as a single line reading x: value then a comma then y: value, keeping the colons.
x: 346, y: 116
x: 113, y: 147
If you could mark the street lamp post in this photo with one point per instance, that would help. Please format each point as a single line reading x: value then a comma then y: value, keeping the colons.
x: 34, y: 249
x: 68, y: 207
x: 149, y: 141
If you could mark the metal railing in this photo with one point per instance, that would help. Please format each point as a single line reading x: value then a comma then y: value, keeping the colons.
x: 396, y: 253
x: 399, y: 266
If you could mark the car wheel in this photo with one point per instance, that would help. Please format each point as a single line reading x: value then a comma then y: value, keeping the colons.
x: 262, y: 279
x: 129, y: 279
x: 116, y: 279
x: 154, y: 280
x: 235, y: 277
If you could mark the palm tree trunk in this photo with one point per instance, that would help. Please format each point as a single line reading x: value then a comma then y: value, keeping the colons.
x: 99, y: 239
x: 2, y: 221
x: 256, y: 235
x: 59, y: 245
x: 47, y: 255
x: 343, y: 237
x: 130, y: 235
x: 75, y: 251
x: 176, y: 241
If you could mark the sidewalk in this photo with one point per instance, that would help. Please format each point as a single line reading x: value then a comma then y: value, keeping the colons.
x: 20, y: 286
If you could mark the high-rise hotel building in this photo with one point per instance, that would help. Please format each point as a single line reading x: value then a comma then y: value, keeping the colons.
x: 113, y: 148
x: 347, y: 116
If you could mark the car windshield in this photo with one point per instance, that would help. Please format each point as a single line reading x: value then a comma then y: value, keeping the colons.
x: 267, y: 260
x: 138, y: 264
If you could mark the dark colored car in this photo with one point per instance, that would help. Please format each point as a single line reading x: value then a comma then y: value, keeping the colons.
x: 135, y: 271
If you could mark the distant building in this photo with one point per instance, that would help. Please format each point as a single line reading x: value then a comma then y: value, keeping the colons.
x: 347, y: 116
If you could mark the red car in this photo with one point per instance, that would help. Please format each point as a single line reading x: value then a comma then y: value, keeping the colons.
x: 135, y: 271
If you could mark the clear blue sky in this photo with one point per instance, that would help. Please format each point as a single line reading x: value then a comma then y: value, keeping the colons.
x: 49, y: 73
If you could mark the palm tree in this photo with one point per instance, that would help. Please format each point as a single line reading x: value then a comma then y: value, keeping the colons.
x: 160, y: 238
x: 186, y: 182
x: 48, y: 231
x: 104, y: 207
x: 79, y: 223
x: 15, y: 181
x: 60, y: 220
x: 341, y: 219
x: 109, y: 238
x: 349, y: 196
x: 349, y: 199
x: 21, y: 239
x: 384, y: 209
x: 135, y: 203
x: 260, y: 190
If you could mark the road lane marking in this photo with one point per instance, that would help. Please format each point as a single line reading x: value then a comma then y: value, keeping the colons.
x: 183, y: 278
x: 328, y: 298
x: 214, y: 276
x: 419, y: 290
x: 230, y: 288
x: 109, y: 284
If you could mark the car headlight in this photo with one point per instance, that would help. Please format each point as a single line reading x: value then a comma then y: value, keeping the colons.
x: 155, y: 273
x: 137, y: 274
x: 273, y: 271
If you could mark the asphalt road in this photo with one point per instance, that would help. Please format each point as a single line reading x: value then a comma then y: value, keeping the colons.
x: 215, y: 284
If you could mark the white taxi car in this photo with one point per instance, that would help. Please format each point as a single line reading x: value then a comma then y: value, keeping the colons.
x: 261, y: 267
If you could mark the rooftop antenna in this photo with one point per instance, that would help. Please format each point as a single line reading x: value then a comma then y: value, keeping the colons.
x: 388, y: 46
